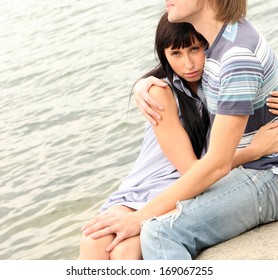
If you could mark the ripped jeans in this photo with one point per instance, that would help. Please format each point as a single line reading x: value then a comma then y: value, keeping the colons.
x: 242, y: 200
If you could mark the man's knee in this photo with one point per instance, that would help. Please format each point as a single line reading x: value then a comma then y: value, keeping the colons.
x: 149, y: 231
x: 152, y: 227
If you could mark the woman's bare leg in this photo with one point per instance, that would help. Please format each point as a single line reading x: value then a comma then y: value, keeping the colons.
x: 94, y: 249
x: 128, y: 249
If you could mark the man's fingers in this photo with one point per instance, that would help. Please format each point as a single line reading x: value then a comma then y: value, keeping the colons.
x: 269, y: 126
x: 150, y: 114
x: 114, y: 243
x: 273, y: 125
x: 101, y: 233
x: 155, y: 81
x: 148, y: 117
x: 88, y: 224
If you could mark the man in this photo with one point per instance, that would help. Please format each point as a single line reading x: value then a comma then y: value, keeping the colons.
x: 240, y: 70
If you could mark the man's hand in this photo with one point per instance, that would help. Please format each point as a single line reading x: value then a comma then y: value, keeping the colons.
x: 121, y: 223
x: 144, y: 100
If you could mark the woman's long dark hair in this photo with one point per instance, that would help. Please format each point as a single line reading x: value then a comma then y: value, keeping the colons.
x: 181, y: 35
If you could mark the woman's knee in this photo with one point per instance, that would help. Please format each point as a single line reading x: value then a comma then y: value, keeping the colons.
x: 120, y: 252
x: 128, y: 249
x: 94, y: 248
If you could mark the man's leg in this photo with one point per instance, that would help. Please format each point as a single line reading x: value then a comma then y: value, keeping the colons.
x: 240, y: 201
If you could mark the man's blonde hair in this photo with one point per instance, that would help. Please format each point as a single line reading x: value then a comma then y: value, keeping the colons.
x: 229, y: 11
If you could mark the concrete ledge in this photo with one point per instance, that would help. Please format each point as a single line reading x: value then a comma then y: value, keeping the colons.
x: 260, y: 243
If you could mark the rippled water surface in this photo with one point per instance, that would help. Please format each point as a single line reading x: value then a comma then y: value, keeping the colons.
x: 68, y: 134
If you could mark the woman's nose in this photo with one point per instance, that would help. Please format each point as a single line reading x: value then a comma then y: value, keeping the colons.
x: 188, y: 63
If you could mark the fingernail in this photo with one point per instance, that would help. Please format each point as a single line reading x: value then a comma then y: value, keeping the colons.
x: 160, y: 108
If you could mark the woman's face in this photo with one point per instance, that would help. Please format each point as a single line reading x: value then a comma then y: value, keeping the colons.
x: 187, y: 63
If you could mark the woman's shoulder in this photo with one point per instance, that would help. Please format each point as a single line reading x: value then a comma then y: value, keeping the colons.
x: 163, y: 95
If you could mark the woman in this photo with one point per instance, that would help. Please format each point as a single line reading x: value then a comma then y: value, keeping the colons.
x: 184, y: 55
x: 158, y: 165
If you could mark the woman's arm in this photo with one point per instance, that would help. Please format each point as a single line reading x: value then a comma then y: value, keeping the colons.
x: 170, y: 133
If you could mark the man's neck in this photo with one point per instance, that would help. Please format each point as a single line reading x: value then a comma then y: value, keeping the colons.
x: 208, y: 26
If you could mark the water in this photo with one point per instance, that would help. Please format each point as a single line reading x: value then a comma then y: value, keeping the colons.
x: 68, y: 134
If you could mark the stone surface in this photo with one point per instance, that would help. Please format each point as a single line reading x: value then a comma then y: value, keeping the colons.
x: 260, y: 243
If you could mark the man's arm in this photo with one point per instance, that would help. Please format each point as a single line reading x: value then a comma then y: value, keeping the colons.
x: 264, y: 142
x: 146, y: 103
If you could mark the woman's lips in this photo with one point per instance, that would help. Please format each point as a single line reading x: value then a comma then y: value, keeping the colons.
x: 191, y: 74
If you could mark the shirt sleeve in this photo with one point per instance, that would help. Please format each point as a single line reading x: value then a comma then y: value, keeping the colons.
x: 241, y: 77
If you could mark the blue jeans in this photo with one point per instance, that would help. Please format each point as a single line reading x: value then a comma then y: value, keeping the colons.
x: 242, y: 200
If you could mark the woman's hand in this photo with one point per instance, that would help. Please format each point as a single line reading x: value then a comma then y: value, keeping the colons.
x: 144, y: 100
x: 265, y: 141
x: 121, y: 223
x: 272, y: 102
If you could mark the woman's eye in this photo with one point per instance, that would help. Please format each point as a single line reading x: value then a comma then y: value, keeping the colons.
x: 176, y: 53
x: 195, y: 49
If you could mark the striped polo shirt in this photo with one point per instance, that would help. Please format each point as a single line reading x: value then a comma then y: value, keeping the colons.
x: 240, y: 72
